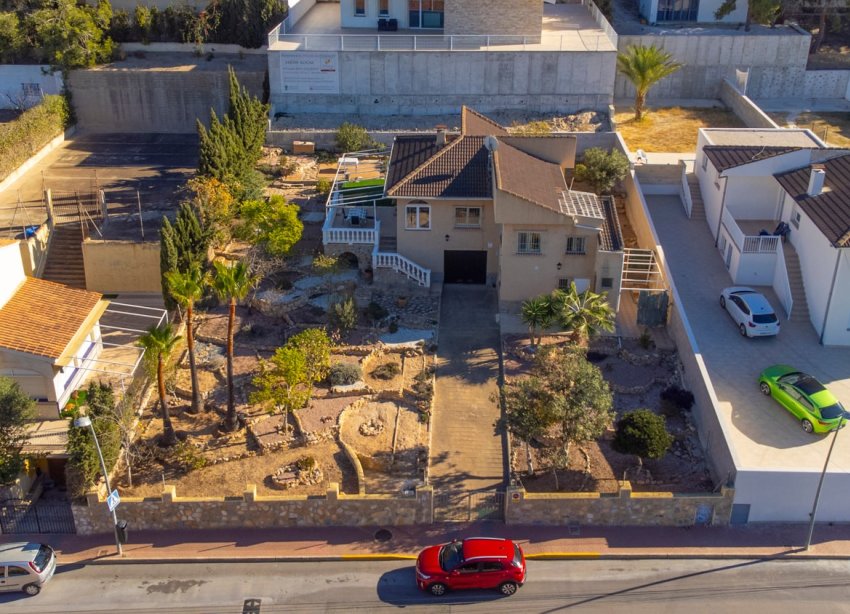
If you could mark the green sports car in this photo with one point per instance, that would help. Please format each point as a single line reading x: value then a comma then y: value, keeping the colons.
x: 805, y: 397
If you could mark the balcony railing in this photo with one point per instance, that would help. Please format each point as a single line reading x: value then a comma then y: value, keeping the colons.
x: 576, y: 40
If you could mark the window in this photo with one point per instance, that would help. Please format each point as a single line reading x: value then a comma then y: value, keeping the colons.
x: 359, y: 7
x: 528, y: 243
x: 575, y: 245
x: 467, y: 217
x: 17, y: 571
x: 418, y: 217
x: 468, y: 568
x: 563, y: 283
x: 795, y: 218
x: 384, y: 7
x: 607, y: 283
x: 491, y: 566
x: 704, y: 161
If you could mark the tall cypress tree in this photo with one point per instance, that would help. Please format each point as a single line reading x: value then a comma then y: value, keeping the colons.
x: 249, y: 116
x: 167, y: 259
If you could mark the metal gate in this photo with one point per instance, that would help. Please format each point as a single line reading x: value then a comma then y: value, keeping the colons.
x: 469, y: 506
x: 17, y: 516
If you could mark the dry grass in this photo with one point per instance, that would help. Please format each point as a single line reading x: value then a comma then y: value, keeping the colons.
x: 833, y: 128
x: 672, y: 129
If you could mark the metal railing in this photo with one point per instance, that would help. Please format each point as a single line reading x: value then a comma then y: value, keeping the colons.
x: 575, y: 40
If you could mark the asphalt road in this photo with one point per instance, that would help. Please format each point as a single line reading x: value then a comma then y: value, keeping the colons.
x: 657, y: 586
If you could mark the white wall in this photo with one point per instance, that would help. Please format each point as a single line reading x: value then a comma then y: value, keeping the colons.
x: 11, y: 271
x: 755, y: 269
x: 753, y: 197
x: 397, y: 10
x: 787, y: 496
x: 837, y: 330
x: 297, y: 10
x: 13, y: 75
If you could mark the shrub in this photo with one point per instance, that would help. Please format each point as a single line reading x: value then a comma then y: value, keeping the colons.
x: 306, y: 463
x: 345, y: 374
x: 386, y: 371
x: 376, y: 312
x: 602, y: 169
x: 287, y: 165
x: 342, y: 315
x: 323, y: 186
x: 537, y: 128
x: 23, y: 137
x: 325, y: 265
x: 642, y: 433
x: 393, y: 327
x: 674, y: 400
x: 351, y: 137
x: 645, y: 339
x: 188, y: 457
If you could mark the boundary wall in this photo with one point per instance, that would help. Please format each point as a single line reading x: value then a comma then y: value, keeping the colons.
x: 746, y: 110
x: 12, y: 76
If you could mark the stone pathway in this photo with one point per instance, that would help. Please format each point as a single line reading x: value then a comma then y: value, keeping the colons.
x: 467, y: 453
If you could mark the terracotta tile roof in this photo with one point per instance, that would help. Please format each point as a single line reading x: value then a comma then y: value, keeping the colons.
x: 458, y: 170
x: 830, y: 210
x: 611, y: 237
x: 408, y: 154
x: 43, y: 317
x: 472, y: 123
x: 724, y: 157
x: 529, y: 178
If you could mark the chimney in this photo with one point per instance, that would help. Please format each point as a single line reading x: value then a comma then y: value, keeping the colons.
x: 816, y: 180
x: 441, y: 135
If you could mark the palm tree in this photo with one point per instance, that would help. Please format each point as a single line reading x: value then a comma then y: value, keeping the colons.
x: 537, y: 314
x: 158, y: 343
x: 583, y: 313
x: 644, y: 67
x: 232, y: 283
x: 187, y: 287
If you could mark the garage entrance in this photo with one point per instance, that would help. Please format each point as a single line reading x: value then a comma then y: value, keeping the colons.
x: 465, y: 267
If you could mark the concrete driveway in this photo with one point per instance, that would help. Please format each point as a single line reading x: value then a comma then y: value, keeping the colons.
x: 466, y: 449
x: 763, y: 435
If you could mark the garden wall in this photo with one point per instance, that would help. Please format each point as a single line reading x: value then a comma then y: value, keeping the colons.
x: 625, y: 508
x: 122, y: 266
x: 13, y: 76
x: 170, y: 512
x: 746, y: 110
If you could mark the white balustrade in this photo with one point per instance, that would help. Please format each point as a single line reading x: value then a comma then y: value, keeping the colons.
x: 399, y: 263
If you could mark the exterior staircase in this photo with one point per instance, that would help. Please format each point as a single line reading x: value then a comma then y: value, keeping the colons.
x: 697, y: 205
x: 800, y: 307
x: 387, y: 244
x: 65, y: 256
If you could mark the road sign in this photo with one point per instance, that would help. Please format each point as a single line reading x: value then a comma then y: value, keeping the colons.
x: 113, y: 500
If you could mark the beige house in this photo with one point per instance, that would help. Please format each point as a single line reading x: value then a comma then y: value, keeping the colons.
x: 484, y: 207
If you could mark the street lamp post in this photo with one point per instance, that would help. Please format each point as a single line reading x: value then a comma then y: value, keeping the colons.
x: 83, y: 422
x: 820, y: 485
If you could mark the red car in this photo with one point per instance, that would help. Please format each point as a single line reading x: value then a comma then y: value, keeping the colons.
x: 476, y: 562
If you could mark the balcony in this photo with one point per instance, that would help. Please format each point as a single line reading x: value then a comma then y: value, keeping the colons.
x: 565, y: 27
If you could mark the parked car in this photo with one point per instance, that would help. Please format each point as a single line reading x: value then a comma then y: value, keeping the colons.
x: 750, y: 310
x: 26, y: 566
x: 805, y: 397
x: 475, y: 562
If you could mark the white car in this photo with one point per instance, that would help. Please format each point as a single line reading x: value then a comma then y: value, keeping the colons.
x: 750, y: 310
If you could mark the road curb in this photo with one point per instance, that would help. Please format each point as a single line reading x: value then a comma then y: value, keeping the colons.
x: 540, y: 556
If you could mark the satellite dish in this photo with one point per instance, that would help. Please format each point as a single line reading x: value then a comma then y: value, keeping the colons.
x: 491, y: 143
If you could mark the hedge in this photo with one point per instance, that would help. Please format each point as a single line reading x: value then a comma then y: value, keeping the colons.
x: 22, y: 138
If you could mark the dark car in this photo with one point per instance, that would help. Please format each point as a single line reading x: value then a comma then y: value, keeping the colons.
x: 475, y: 562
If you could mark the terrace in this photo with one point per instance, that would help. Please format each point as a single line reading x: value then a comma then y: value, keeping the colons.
x: 565, y: 27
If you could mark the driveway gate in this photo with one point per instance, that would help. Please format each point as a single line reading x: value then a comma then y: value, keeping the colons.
x: 17, y: 516
x: 469, y: 506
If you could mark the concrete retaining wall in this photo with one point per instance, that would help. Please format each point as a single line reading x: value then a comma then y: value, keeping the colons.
x: 12, y: 76
x: 625, y: 508
x: 798, y: 83
x: 189, y: 48
x: 152, y: 94
x: 122, y: 266
x: 170, y: 512
x: 708, y: 58
x: 436, y: 82
x: 746, y: 110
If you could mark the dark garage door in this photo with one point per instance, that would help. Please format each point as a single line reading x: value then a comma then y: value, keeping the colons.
x: 465, y: 267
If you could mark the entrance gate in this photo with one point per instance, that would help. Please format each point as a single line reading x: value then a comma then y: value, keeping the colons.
x: 17, y: 516
x: 463, y: 506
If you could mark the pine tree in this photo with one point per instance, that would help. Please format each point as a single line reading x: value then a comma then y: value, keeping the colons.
x: 167, y: 259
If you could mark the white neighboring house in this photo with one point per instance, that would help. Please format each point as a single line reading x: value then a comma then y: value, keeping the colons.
x: 751, y: 180
x: 667, y: 11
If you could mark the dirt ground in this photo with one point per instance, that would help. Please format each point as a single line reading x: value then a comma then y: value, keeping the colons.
x: 595, y: 466
x: 832, y: 128
x: 672, y: 129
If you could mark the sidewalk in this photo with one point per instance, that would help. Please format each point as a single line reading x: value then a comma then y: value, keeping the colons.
x: 356, y: 543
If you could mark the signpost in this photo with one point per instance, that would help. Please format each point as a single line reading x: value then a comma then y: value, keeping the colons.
x: 113, y: 500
